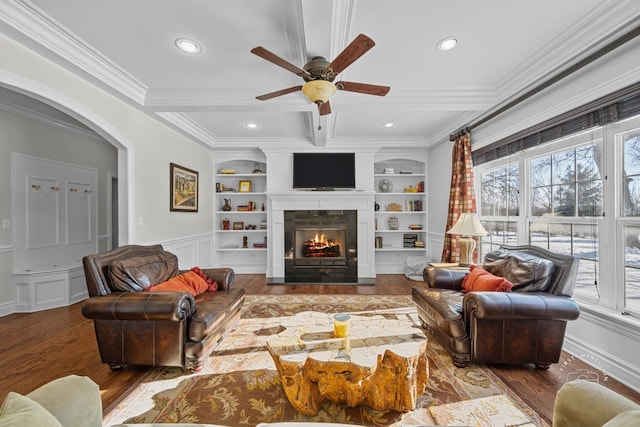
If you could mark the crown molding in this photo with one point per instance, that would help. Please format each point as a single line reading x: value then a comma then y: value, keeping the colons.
x: 47, y: 120
x: 185, y: 125
x: 606, y: 22
x: 42, y: 29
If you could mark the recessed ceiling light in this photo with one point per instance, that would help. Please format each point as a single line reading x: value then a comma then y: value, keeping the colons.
x: 188, y: 46
x: 251, y: 125
x: 447, y: 43
x: 389, y: 124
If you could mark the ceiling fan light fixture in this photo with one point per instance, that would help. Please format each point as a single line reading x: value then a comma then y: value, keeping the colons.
x: 251, y: 125
x: 447, y: 43
x: 188, y: 46
x: 319, y: 91
x: 388, y: 124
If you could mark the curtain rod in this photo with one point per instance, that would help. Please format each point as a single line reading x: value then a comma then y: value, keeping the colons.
x: 561, y: 75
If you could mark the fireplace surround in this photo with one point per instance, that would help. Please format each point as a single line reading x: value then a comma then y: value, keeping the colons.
x: 321, y: 246
x: 361, y: 255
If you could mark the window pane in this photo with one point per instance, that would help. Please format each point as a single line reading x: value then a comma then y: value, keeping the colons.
x: 631, y: 175
x: 563, y: 167
x: 589, y: 162
x: 541, y: 201
x: 632, y: 267
x: 572, y: 239
x: 541, y: 171
x: 587, y: 279
x: 513, y: 205
x: 498, y: 233
x: 585, y: 247
x: 631, y: 193
x: 564, y: 200
x: 539, y: 234
x: 560, y: 239
x: 487, y: 194
x: 590, y: 198
x: 632, y: 154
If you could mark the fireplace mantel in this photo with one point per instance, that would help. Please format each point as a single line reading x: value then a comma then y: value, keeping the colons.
x: 361, y: 201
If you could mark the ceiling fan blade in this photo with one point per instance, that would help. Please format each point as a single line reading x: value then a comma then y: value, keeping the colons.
x: 324, y: 108
x: 363, y: 88
x: 278, y: 93
x: 272, y: 57
x: 358, y: 47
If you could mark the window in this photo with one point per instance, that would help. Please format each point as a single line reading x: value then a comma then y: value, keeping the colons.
x: 569, y: 203
x: 499, y: 205
x: 566, y: 190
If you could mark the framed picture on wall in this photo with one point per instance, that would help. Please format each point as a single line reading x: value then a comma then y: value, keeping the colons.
x: 245, y: 187
x: 184, y: 189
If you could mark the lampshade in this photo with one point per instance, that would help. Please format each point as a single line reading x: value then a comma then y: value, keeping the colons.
x: 319, y: 91
x: 468, y: 225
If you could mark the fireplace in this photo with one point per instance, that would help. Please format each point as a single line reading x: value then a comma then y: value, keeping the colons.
x: 321, y: 246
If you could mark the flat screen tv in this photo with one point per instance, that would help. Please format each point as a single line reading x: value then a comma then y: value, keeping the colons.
x: 324, y: 171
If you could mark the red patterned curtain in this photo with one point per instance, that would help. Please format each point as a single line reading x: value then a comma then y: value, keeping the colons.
x: 461, y: 196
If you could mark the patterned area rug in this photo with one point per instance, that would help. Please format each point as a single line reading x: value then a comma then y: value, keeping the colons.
x: 239, y: 385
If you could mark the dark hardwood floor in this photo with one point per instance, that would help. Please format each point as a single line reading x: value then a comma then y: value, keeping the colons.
x: 36, y: 348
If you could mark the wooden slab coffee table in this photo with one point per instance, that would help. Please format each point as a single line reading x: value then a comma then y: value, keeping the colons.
x: 382, y: 364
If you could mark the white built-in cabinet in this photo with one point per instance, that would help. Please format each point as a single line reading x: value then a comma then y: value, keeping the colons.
x: 241, y: 231
x: 400, y: 212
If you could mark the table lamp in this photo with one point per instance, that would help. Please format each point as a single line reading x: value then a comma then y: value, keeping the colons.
x: 468, y: 225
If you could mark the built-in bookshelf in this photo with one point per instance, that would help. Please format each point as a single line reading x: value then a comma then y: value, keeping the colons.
x: 240, y: 218
x: 400, y: 212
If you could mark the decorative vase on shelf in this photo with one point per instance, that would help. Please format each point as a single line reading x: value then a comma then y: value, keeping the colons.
x: 227, y: 205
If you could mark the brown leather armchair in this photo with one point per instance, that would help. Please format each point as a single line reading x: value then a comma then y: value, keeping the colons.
x: 524, y: 326
x: 155, y: 328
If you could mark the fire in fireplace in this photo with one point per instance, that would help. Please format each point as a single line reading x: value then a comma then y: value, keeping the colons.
x: 320, y: 246
x: 320, y: 240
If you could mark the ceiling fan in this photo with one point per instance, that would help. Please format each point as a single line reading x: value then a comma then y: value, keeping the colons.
x: 320, y: 73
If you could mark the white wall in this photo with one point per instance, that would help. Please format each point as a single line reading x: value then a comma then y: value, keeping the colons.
x: 145, y: 149
x: 438, y: 184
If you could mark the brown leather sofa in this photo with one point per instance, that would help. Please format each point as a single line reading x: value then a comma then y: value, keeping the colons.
x: 526, y: 325
x: 155, y: 328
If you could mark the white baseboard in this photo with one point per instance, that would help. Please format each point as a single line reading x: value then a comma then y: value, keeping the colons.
x: 610, y: 365
x: 7, y: 308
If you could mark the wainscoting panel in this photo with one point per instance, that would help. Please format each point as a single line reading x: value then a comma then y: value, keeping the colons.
x: 79, y: 217
x: 192, y: 251
x: 43, y: 213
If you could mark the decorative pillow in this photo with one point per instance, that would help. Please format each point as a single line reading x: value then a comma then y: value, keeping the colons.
x: 480, y: 279
x: 19, y: 410
x: 191, y: 281
x: 138, y: 273
x: 213, y: 286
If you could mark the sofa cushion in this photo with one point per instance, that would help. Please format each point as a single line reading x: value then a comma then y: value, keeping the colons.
x: 190, y: 282
x: 527, y: 272
x: 480, y: 279
x: 138, y: 273
x: 19, y: 410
